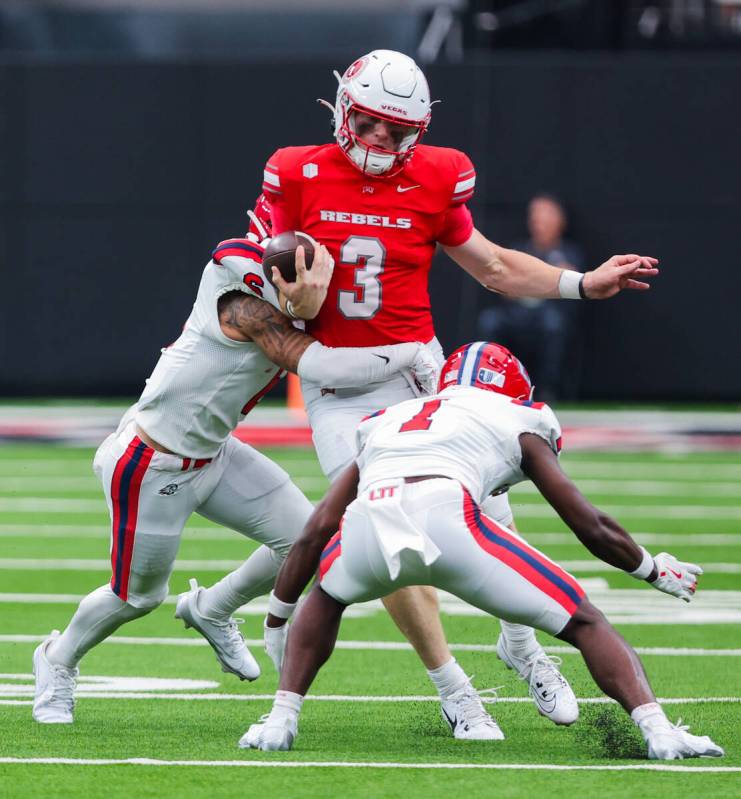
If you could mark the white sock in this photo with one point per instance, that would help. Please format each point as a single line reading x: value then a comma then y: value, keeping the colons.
x: 253, y: 578
x: 98, y: 615
x: 448, y: 678
x: 520, y: 640
x: 286, y: 705
x: 648, y: 717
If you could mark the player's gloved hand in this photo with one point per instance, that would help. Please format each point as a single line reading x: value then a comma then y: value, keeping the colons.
x: 675, y: 577
x: 275, y: 643
x: 426, y: 370
x: 307, y: 294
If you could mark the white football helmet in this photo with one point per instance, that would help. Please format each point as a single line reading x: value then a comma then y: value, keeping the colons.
x: 390, y: 86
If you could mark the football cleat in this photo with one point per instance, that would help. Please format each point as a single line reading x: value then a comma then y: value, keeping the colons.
x: 467, y: 718
x: 667, y: 741
x: 223, y: 634
x: 548, y: 687
x: 54, y: 698
x: 270, y: 734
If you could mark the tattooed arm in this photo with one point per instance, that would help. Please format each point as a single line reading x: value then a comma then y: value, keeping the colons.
x: 247, y: 318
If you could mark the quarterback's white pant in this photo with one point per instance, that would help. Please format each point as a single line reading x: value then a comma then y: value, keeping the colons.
x: 448, y: 543
x: 334, y: 417
x: 151, y: 495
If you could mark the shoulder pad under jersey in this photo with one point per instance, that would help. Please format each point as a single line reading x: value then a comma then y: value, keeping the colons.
x: 543, y: 423
x: 242, y: 258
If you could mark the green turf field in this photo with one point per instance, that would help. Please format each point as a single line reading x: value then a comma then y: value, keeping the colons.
x: 374, y: 705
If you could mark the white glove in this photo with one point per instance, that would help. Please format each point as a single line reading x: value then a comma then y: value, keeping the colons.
x: 426, y: 371
x: 275, y: 643
x: 675, y: 577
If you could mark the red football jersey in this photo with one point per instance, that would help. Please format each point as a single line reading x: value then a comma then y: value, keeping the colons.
x: 381, y: 233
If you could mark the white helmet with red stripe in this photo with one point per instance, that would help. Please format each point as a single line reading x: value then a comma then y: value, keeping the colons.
x: 389, y: 86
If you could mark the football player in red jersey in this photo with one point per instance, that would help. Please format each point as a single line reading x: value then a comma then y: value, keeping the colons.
x: 381, y: 202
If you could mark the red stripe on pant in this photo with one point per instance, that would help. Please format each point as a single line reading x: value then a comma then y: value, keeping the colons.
x: 475, y: 519
x: 331, y: 552
x: 130, y: 503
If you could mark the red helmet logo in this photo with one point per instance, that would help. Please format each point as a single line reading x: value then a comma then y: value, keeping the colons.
x: 488, y: 366
x: 355, y: 68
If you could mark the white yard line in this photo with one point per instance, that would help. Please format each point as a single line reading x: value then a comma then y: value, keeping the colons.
x: 103, y: 564
x: 145, y: 761
x: 11, y: 691
x: 97, y: 531
x: 73, y: 531
x: 652, y: 471
x: 388, y: 646
x: 62, y: 505
x: 592, y: 468
x: 622, y: 606
x: 655, y: 488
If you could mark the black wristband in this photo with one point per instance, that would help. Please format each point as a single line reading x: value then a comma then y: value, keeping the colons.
x: 582, y: 293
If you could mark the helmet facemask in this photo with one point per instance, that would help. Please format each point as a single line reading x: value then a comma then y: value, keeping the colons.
x: 372, y: 159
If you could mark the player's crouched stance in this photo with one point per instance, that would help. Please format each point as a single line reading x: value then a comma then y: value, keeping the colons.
x: 173, y: 455
x: 408, y: 512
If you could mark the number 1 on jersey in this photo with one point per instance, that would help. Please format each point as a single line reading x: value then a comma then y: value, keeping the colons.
x: 423, y: 419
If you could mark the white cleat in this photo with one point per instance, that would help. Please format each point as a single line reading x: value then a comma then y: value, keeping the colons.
x: 271, y: 735
x: 467, y: 718
x: 54, y: 699
x: 667, y: 741
x: 224, y: 636
x: 548, y: 687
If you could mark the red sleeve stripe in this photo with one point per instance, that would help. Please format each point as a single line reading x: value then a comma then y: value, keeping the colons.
x: 240, y: 247
x: 465, y: 174
x: 461, y: 198
x: 265, y: 188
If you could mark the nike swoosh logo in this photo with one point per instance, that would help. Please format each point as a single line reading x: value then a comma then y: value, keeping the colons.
x: 546, y: 704
x: 385, y: 358
x: 402, y: 189
x: 678, y: 575
x: 453, y: 722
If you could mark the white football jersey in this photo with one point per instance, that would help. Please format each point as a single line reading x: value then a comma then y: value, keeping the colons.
x: 205, y: 383
x: 465, y: 433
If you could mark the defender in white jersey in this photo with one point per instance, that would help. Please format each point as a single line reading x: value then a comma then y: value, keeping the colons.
x: 173, y: 455
x: 409, y: 513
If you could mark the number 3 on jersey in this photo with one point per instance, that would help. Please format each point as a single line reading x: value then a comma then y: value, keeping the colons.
x: 364, y: 301
x: 423, y: 419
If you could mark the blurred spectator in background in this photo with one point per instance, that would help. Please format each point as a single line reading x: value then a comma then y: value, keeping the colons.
x: 539, y: 329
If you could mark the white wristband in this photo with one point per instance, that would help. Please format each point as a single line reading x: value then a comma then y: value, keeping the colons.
x: 279, y: 608
x: 645, y: 568
x: 570, y: 285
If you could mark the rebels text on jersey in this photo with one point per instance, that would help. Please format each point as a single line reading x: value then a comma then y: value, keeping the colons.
x: 381, y: 233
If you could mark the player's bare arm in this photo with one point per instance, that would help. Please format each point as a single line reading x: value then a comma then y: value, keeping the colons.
x: 518, y: 274
x: 303, y: 557
x: 600, y: 533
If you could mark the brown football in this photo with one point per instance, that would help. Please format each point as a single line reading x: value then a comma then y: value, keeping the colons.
x: 281, y: 252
